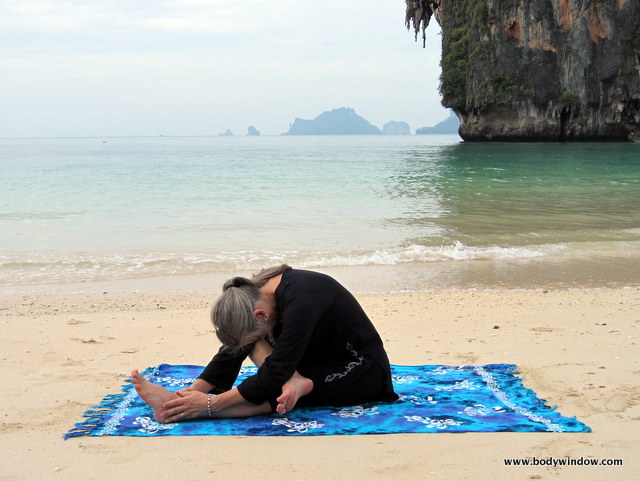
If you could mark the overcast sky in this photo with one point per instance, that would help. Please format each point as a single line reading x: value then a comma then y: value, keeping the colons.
x: 199, y: 67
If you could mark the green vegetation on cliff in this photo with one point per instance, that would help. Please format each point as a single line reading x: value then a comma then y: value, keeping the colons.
x: 463, y: 37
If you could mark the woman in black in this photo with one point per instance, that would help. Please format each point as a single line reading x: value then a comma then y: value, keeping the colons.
x: 313, y: 344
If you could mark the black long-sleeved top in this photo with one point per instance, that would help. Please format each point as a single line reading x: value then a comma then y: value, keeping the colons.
x: 323, y: 333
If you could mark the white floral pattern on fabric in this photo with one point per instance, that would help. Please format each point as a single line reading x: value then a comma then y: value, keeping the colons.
x: 296, y: 426
x: 173, y: 382
x: 247, y: 370
x: 433, y: 423
x: 149, y: 426
x: 356, y: 412
x: 502, y: 396
x: 441, y: 371
x: 471, y: 386
x: 404, y: 379
x: 481, y: 410
x: 113, y: 422
x: 419, y: 400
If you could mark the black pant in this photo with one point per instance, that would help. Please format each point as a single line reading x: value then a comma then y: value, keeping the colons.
x: 367, y: 388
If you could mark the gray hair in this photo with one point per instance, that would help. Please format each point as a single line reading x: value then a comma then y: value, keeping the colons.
x: 232, y: 314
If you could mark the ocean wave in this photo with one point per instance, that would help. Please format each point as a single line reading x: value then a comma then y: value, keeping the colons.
x: 34, y: 269
x: 419, y: 253
x: 45, y: 269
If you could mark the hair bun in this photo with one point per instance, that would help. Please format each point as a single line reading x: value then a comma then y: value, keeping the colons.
x: 236, y: 282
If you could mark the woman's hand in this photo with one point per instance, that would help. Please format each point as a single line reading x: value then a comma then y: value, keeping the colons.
x: 183, y: 392
x: 190, y: 404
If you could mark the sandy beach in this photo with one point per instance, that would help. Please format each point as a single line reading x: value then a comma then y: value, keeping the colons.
x: 576, y: 348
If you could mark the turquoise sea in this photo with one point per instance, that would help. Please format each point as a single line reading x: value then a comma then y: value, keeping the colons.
x: 383, y: 212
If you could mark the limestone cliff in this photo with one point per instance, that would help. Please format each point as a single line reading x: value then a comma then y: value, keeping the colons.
x: 538, y: 69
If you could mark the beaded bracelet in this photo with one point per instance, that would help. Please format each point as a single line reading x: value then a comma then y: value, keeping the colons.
x: 209, y: 405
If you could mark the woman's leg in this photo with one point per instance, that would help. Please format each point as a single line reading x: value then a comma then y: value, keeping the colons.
x: 190, y: 405
x: 369, y: 387
x: 157, y: 396
x: 154, y: 395
x: 261, y: 350
x: 293, y: 389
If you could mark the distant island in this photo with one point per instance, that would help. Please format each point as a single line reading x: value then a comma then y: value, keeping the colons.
x: 252, y: 131
x: 340, y: 121
x: 447, y: 126
x: 345, y: 121
x: 396, y: 128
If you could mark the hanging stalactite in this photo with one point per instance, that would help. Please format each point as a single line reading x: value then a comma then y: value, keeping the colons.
x: 418, y: 14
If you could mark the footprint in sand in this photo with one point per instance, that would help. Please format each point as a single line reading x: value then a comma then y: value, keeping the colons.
x: 10, y: 427
x: 75, y: 322
x: 85, y: 341
x: 541, y: 329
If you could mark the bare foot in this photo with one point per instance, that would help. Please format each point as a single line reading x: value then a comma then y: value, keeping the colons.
x: 154, y: 395
x: 293, y: 389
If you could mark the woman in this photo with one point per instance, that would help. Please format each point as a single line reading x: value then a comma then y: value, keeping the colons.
x: 312, y: 342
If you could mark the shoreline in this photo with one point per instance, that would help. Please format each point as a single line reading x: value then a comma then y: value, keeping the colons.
x: 607, y: 272
x: 575, y: 347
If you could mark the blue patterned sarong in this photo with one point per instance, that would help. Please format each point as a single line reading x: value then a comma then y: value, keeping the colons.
x: 433, y: 399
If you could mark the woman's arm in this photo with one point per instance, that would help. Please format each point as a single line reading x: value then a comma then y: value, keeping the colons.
x: 222, y: 370
x: 299, y: 317
x: 199, y: 385
x: 191, y: 404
